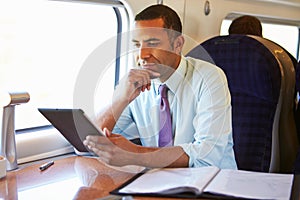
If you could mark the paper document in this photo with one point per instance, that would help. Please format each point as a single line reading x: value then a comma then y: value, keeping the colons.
x: 170, y: 180
x: 197, y: 182
x: 251, y: 185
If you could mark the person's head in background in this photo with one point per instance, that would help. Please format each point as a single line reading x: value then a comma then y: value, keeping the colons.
x: 246, y: 24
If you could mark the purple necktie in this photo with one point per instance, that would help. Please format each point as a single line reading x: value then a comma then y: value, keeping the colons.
x: 165, y: 131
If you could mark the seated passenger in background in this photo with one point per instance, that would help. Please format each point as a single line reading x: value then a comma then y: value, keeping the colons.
x: 198, y: 95
x: 248, y: 25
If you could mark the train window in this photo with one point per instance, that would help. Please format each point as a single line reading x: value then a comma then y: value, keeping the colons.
x: 284, y: 33
x: 44, y: 45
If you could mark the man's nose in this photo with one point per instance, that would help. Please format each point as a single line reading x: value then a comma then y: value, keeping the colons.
x: 144, y: 52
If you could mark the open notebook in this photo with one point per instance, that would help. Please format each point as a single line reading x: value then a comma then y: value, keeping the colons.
x: 208, y: 182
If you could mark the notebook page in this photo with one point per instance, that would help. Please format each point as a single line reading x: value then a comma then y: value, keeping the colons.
x: 160, y: 180
x: 248, y: 184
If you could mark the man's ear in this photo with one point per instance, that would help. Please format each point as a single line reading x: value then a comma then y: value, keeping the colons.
x: 178, y: 44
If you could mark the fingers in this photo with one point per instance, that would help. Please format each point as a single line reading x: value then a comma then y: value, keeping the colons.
x: 135, y: 82
x: 98, y: 144
x: 94, y: 139
x: 141, y: 78
x: 153, y: 74
x: 104, y: 148
x: 107, y: 132
x: 111, y: 149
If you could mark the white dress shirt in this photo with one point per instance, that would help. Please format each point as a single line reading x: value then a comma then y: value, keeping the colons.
x: 200, y: 105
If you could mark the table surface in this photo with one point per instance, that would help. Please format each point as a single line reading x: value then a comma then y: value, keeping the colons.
x: 73, y: 177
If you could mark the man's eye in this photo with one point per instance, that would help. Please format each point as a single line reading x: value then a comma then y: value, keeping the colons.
x: 137, y: 45
x: 153, y: 44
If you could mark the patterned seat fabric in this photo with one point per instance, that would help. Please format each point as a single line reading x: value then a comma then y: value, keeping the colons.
x: 254, y: 80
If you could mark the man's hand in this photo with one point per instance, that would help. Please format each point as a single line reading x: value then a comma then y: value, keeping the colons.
x: 117, y: 150
x: 113, y: 149
x: 136, y: 81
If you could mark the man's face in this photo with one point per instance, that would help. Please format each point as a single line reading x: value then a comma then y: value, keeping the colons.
x: 154, y: 48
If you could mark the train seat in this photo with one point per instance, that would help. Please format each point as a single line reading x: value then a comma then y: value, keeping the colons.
x: 297, y: 164
x: 297, y: 116
x: 259, y: 85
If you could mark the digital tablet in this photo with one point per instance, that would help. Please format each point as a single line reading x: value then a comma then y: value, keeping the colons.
x: 73, y: 124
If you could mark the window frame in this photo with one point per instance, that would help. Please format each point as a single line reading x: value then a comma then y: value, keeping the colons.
x: 48, y: 135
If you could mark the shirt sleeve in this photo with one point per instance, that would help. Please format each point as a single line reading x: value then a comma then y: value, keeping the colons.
x: 212, y: 143
x: 126, y: 125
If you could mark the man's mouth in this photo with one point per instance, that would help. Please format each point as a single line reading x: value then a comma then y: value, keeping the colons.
x: 148, y: 66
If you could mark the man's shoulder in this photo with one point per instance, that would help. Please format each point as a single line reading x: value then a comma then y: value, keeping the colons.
x: 201, y: 65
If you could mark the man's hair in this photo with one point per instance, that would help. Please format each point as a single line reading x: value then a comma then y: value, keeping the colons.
x: 169, y: 16
x: 246, y: 24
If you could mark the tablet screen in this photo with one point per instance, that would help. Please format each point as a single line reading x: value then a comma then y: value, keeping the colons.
x: 73, y: 124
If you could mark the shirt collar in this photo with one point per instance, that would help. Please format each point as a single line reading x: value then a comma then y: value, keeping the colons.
x: 175, y: 79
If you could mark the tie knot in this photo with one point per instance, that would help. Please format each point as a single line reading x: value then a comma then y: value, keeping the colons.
x: 163, y: 90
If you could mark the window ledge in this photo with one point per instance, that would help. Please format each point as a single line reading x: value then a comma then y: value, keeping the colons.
x: 41, y: 144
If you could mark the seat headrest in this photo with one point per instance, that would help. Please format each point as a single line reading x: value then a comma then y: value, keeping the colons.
x: 245, y: 57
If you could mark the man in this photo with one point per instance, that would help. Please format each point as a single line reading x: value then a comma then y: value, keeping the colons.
x: 198, y: 97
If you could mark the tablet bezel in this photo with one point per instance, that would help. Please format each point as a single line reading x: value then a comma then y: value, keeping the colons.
x: 73, y: 124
